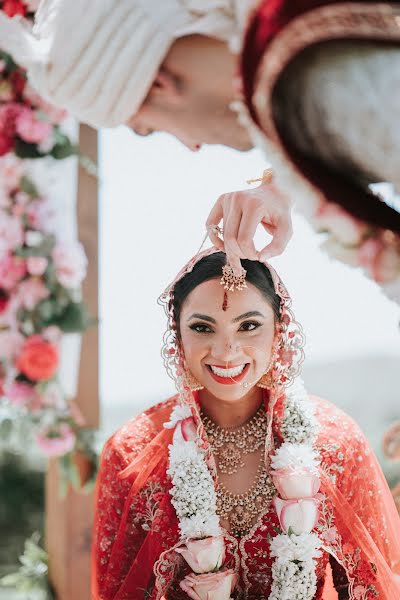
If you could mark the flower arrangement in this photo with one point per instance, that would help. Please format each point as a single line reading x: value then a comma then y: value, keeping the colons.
x: 40, y: 300
x: 40, y: 272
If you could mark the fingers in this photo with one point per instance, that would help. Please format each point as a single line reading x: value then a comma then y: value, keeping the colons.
x: 232, y: 218
x: 248, y: 226
x: 213, y: 220
x: 281, y: 232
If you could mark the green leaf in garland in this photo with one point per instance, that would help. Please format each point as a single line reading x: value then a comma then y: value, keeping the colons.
x: 7, y: 58
x: 74, y: 319
x: 63, y: 148
x: 26, y: 150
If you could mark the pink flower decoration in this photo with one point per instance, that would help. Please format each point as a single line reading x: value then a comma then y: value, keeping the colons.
x: 56, y: 441
x: 12, y: 270
x: 32, y: 291
x: 189, y: 430
x: 52, y: 334
x: 301, y: 516
x: 36, y: 265
x: 330, y: 535
x: 295, y: 484
x: 71, y: 263
x: 53, y: 397
x: 10, y: 344
x: 205, y: 555
x: 11, y: 233
x: 30, y: 128
x: 344, y: 227
x: 22, y: 394
x: 210, y: 586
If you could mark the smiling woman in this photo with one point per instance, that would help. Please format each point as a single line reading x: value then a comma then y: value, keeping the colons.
x: 241, y: 486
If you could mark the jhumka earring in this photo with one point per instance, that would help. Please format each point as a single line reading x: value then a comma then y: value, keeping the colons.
x: 192, y: 382
x: 266, y: 380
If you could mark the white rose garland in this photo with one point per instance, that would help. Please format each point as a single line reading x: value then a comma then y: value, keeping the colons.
x: 194, y: 499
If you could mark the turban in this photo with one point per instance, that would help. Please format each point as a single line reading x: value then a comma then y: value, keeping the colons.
x: 99, y: 58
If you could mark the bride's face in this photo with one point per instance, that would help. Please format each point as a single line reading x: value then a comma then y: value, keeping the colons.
x: 229, y: 350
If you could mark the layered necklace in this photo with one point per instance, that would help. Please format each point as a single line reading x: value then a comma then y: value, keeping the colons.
x: 229, y: 445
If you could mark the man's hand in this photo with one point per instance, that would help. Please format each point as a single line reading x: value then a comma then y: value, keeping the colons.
x: 241, y: 213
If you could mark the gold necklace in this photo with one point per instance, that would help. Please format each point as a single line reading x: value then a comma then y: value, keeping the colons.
x: 241, y: 510
x: 230, y: 443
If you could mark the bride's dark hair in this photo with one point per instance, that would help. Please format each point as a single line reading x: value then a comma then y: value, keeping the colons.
x: 210, y: 267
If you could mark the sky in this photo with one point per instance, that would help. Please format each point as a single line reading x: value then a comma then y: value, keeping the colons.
x: 155, y: 196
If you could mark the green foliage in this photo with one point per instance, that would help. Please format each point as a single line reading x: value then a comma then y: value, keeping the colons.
x: 32, y: 575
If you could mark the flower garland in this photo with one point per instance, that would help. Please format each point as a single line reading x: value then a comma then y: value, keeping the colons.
x: 295, y: 475
x: 40, y: 273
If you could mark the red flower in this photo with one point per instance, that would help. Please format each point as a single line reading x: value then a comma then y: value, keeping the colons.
x: 18, y: 82
x: 8, y: 116
x: 14, y: 7
x: 39, y: 359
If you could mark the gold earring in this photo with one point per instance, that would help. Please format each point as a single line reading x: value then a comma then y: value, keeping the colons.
x: 266, y: 380
x: 192, y: 382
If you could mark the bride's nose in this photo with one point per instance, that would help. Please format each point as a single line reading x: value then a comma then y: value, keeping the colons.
x: 226, y: 349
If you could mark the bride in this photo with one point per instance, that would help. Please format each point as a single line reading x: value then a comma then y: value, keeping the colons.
x: 241, y: 485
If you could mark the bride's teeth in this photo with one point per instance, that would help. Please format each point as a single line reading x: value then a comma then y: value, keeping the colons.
x: 227, y: 372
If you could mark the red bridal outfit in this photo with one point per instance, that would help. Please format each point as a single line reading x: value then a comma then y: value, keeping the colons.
x: 136, y: 527
x: 295, y: 57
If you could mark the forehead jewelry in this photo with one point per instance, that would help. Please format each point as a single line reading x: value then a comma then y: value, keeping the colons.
x: 266, y: 177
x: 232, y: 282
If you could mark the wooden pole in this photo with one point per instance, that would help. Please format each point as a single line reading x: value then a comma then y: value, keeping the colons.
x: 69, y: 520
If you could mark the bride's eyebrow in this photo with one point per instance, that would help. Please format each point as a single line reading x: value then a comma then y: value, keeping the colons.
x: 250, y: 313
x: 202, y: 317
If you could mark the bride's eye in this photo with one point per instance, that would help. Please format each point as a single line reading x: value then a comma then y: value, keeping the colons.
x: 249, y: 326
x: 200, y: 328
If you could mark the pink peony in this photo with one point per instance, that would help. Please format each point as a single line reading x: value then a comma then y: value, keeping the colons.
x: 12, y: 270
x: 343, y: 226
x: 41, y: 216
x: 301, y: 516
x: 56, y: 441
x: 210, y: 586
x: 11, y: 171
x: 22, y: 394
x: 30, y: 128
x: 205, y: 555
x: 10, y: 344
x: 32, y: 291
x: 11, y: 233
x: 70, y: 263
x: 36, y: 265
x: 295, y: 484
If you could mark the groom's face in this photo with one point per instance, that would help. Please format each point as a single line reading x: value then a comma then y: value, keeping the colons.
x: 191, y: 97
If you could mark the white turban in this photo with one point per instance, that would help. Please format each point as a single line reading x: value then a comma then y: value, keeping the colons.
x: 99, y: 58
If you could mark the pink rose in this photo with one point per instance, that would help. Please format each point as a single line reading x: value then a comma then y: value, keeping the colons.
x: 12, y: 270
x: 22, y: 394
x: 380, y: 260
x: 210, y: 586
x: 30, y: 128
x: 295, y: 484
x: 52, y: 334
x: 344, y: 227
x: 41, y: 216
x: 36, y: 265
x: 189, y: 429
x: 10, y: 344
x: 11, y: 233
x: 301, y: 516
x: 32, y: 291
x: 205, y: 555
x: 56, y: 441
x: 70, y: 262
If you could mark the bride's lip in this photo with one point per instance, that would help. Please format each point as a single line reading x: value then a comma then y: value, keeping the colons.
x: 228, y: 380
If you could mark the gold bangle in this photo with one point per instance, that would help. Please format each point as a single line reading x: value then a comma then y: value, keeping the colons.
x: 266, y: 177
